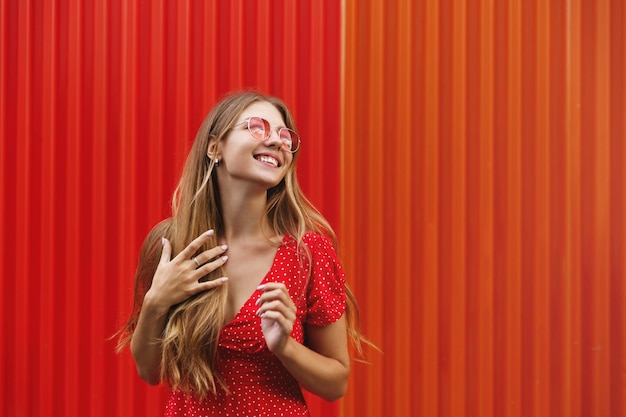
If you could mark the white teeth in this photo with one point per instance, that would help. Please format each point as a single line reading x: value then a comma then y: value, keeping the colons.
x: 268, y: 159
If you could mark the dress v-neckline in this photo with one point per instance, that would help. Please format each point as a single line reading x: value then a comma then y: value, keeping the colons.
x: 263, y: 280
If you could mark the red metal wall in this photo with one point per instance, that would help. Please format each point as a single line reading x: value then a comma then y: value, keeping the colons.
x: 99, y: 102
x: 470, y: 154
x: 483, y: 206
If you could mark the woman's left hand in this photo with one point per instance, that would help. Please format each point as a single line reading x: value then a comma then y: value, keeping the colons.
x: 278, y: 313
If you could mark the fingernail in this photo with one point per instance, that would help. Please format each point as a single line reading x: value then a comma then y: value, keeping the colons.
x: 223, y: 279
x: 162, y: 241
x: 224, y: 258
x: 258, y: 301
x: 260, y: 287
x: 210, y: 233
x: 224, y: 247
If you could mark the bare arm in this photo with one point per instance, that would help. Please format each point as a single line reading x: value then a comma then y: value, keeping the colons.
x: 323, y: 366
x: 174, y: 281
x: 322, y: 369
x: 145, y: 345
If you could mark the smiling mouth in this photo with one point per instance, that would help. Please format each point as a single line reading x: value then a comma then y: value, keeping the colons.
x: 267, y: 160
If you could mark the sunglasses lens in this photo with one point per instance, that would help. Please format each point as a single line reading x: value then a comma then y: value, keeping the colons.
x: 259, y: 128
x: 289, y: 138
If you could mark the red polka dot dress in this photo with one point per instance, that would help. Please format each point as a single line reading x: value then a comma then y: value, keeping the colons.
x: 259, y: 384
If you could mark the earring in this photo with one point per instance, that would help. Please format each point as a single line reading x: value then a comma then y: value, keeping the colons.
x: 217, y: 162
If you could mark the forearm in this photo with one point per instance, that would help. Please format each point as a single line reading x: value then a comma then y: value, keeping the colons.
x: 321, y: 375
x: 145, y: 344
x: 174, y: 281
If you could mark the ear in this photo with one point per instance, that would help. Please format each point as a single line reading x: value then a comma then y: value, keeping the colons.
x: 213, y: 149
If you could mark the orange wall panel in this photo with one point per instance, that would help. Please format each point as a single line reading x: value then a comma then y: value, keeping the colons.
x: 483, y: 206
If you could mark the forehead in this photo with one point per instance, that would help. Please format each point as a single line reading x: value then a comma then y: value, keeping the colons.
x: 265, y: 110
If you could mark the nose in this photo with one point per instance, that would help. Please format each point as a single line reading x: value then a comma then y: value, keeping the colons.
x: 274, y: 139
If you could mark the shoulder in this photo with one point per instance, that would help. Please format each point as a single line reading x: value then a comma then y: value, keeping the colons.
x: 321, y: 252
x: 318, y: 243
x: 152, y: 242
x: 159, y: 230
x: 162, y: 228
x: 314, y: 249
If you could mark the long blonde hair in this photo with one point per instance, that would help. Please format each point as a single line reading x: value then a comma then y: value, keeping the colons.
x: 190, y: 338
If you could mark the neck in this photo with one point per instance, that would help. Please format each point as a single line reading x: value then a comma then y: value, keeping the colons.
x: 244, y: 216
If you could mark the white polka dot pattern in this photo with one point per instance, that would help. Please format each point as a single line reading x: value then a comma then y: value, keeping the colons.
x: 259, y: 384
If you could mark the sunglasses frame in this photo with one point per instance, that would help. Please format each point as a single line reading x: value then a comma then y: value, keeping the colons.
x: 268, y: 128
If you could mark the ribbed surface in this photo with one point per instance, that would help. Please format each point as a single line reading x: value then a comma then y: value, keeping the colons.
x: 99, y: 102
x: 481, y: 207
x: 483, y: 213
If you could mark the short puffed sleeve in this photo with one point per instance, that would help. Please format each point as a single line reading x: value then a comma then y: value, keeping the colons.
x: 326, y: 294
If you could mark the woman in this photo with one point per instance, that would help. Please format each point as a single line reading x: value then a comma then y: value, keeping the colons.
x: 240, y: 298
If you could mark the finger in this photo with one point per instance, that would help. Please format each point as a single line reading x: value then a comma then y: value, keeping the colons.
x: 211, y: 266
x: 287, y: 311
x: 278, y: 293
x: 195, y: 244
x: 273, y: 290
x: 212, y: 253
x: 207, y: 285
x: 166, y: 251
x: 270, y: 286
x: 283, y: 322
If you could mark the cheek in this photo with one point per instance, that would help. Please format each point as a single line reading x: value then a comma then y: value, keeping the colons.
x: 288, y: 159
x: 237, y: 152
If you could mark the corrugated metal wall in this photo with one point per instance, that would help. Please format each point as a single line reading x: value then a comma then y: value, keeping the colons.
x: 478, y: 188
x: 99, y: 102
x: 483, y: 213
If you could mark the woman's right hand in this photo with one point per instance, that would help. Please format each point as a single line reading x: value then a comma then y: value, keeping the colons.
x: 177, y: 279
